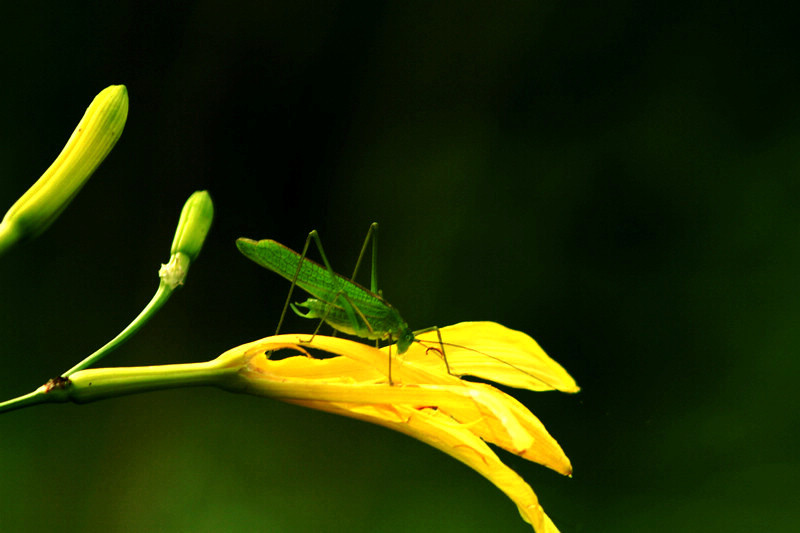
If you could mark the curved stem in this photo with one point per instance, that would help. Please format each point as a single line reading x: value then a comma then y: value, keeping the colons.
x: 159, y: 299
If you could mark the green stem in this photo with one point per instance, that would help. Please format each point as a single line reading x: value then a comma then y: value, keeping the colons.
x: 26, y: 400
x: 101, y: 383
x: 159, y: 299
x: 171, y: 275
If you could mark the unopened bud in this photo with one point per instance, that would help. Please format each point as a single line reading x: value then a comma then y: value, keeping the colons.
x: 95, y: 136
x: 193, y: 226
x: 196, y: 217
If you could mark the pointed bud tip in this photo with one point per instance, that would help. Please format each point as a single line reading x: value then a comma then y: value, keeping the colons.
x: 115, y: 99
x: 113, y: 95
x: 121, y: 89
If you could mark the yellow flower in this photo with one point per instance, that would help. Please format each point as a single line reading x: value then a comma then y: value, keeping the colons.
x: 456, y: 416
x: 424, y: 401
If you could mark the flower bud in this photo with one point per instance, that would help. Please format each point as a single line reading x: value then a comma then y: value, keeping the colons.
x: 95, y: 136
x: 193, y: 226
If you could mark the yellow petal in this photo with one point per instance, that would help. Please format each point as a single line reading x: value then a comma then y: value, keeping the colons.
x: 438, y: 430
x: 291, y: 379
x: 490, y: 351
x: 545, y: 450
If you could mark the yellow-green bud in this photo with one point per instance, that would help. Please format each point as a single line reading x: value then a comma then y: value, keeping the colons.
x: 95, y: 136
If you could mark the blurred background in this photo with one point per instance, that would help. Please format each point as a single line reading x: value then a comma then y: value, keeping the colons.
x: 620, y: 182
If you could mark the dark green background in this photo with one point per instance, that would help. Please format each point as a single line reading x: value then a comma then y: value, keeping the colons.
x: 621, y: 182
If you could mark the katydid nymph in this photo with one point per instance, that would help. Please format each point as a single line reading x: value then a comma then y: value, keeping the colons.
x: 340, y: 302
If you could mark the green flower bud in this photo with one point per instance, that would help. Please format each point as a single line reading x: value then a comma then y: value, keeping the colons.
x: 95, y: 136
x: 193, y: 226
x: 196, y: 217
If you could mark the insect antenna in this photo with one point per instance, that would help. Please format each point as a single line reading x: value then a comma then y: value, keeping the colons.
x: 431, y: 345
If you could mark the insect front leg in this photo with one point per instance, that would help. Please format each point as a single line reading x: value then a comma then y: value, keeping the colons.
x: 294, y: 280
x: 440, y: 350
x: 312, y: 235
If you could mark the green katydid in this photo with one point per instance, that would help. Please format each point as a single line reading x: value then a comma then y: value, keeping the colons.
x: 344, y: 304
x: 338, y: 301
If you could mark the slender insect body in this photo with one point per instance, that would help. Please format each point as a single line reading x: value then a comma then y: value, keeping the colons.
x: 341, y: 303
